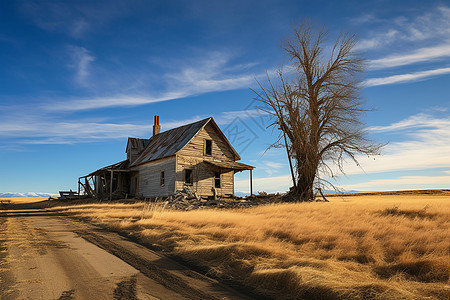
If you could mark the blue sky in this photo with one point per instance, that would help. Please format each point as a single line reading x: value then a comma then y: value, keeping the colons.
x: 79, y: 77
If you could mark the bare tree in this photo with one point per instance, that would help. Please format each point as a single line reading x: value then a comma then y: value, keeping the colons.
x: 317, y: 106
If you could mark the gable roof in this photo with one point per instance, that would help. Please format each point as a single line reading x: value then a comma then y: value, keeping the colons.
x: 169, y: 142
x: 137, y: 143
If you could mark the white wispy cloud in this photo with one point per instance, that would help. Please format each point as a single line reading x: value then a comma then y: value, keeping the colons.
x: 62, y: 132
x: 426, y: 145
x: 274, y: 165
x: 429, y: 28
x: 365, y: 18
x: 403, y: 78
x: 420, y: 120
x: 223, y: 118
x: 79, y: 27
x: 230, y: 116
x: 434, y: 23
x: 113, y: 101
x: 207, y: 74
x: 419, y: 55
x: 271, y: 167
x: 438, y: 109
x: 81, y: 60
x: 378, y: 40
x: 272, y: 152
x: 56, y: 17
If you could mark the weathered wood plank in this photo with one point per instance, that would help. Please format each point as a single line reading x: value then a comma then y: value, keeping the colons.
x: 149, y: 178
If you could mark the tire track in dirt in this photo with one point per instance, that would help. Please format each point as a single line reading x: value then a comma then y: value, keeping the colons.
x: 149, y: 269
x: 6, y: 276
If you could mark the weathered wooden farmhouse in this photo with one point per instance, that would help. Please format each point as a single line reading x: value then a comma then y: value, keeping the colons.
x: 197, y: 155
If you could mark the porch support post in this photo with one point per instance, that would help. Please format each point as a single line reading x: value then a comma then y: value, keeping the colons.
x: 79, y: 187
x: 251, y: 182
x: 96, y: 189
x: 88, y: 186
x: 111, y: 186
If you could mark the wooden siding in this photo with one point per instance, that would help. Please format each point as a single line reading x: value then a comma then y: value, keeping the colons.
x: 149, y: 177
x: 203, y: 176
x: 132, y: 154
x: 192, y: 157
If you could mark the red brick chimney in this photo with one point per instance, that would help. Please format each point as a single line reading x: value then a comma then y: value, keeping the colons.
x: 156, y: 126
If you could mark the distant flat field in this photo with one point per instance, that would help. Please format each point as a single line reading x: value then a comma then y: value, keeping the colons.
x: 408, y: 199
x: 391, y: 245
x: 17, y: 200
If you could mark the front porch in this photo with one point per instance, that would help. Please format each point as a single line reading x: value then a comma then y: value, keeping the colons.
x: 108, y: 183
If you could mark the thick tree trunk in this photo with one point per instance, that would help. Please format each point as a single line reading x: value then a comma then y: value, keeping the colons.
x: 304, y: 191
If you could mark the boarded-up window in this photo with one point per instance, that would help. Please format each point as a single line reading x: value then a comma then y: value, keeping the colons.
x: 188, y: 176
x: 217, y: 183
x: 162, y: 178
x: 208, y: 147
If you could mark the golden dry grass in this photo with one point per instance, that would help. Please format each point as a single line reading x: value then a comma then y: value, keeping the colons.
x: 359, y: 247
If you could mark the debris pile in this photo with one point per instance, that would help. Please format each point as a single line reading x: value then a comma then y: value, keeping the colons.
x: 189, y: 200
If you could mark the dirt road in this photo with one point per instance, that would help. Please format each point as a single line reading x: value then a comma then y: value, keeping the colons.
x: 44, y: 255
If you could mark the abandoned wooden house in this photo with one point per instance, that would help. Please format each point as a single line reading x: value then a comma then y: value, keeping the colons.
x: 197, y: 155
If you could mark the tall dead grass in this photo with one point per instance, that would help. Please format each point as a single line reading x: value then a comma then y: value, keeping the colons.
x: 369, y: 247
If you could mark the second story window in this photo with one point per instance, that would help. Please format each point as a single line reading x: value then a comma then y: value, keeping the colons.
x: 162, y: 178
x: 207, y: 147
x: 188, y: 176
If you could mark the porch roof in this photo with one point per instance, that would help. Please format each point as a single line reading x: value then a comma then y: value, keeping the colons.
x: 233, y: 165
x: 121, y: 166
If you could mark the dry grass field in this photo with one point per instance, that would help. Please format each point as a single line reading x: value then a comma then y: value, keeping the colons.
x: 376, y: 246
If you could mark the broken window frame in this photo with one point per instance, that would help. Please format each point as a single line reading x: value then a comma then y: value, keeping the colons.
x: 162, y: 178
x: 189, y: 176
x: 218, y: 180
